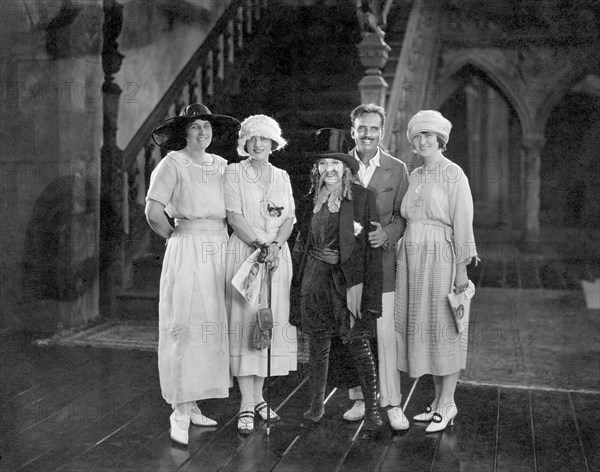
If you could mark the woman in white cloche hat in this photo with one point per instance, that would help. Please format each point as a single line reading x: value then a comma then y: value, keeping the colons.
x: 260, y: 209
x: 433, y: 255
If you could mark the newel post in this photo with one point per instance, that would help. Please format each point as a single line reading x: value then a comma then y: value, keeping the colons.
x: 373, y: 53
x: 111, y: 161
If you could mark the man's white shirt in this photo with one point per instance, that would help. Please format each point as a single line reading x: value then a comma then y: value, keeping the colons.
x: 365, y: 172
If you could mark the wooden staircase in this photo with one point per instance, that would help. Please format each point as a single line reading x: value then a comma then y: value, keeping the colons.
x: 298, y: 64
x: 210, y: 77
x: 305, y: 75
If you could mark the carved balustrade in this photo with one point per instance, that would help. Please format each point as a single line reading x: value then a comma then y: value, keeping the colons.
x: 204, y: 79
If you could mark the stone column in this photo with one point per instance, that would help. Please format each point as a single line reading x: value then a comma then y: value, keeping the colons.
x: 496, y: 170
x: 475, y: 121
x: 111, y: 162
x: 373, y: 53
x: 531, y: 146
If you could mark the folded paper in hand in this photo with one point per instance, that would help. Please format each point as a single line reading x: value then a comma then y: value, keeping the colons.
x: 461, y: 306
x: 248, y: 278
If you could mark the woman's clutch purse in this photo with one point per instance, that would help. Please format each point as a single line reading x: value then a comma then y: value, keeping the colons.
x: 261, y: 336
x: 461, y: 306
x: 263, y: 328
x: 264, y: 318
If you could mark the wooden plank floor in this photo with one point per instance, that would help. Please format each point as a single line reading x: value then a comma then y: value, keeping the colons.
x: 83, y: 409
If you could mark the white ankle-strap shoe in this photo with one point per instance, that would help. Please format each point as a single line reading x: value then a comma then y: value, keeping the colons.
x: 426, y: 416
x: 439, y: 422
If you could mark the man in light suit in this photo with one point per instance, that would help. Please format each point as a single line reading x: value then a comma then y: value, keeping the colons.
x: 387, y: 178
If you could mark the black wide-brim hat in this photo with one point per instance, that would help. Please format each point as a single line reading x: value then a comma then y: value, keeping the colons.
x: 334, y: 143
x: 170, y: 134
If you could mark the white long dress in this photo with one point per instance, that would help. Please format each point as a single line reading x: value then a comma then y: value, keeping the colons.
x: 193, y: 346
x: 438, y: 208
x: 245, y: 195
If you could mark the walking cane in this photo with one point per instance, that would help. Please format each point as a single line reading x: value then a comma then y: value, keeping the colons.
x: 268, y: 269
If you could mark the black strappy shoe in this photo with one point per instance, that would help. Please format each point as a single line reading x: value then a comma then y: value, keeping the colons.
x: 261, y: 410
x: 245, y: 423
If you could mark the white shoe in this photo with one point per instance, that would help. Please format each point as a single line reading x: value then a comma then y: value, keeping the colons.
x: 357, y: 412
x: 398, y: 421
x: 426, y: 416
x: 179, y: 434
x: 440, y: 422
x: 198, y: 418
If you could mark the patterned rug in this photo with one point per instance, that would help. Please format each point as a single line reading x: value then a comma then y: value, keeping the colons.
x: 542, y: 339
x: 124, y: 334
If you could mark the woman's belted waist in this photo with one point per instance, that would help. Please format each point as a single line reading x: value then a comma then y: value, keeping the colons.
x: 199, y: 226
x: 448, y: 231
x: 430, y: 223
x: 330, y: 256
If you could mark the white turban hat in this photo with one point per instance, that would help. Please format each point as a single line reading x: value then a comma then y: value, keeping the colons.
x: 429, y: 120
x: 259, y: 125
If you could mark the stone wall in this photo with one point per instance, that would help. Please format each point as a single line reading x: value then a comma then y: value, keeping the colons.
x: 157, y: 42
x: 51, y: 128
x: 507, y: 78
x: 51, y: 134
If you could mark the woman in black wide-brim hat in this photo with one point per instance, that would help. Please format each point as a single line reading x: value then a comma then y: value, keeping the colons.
x: 187, y: 184
x: 340, y: 276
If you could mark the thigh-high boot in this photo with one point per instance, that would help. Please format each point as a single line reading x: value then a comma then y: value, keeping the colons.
x: 367, y: 373
x: 320, y: 344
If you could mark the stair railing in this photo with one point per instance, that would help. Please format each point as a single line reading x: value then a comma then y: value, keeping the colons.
x: 202, y: 80
x: 414, y: 76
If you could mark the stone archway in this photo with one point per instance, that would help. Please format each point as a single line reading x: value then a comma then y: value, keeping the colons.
x: 570, y: 169
x: 533, y: 80
x: 459, y: 65
x: 485, y: 142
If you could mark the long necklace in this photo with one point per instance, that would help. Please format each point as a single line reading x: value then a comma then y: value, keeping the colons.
x: 267, y: 207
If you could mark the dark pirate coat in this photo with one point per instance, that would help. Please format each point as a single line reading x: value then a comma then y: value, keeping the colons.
x: 359, y: 262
